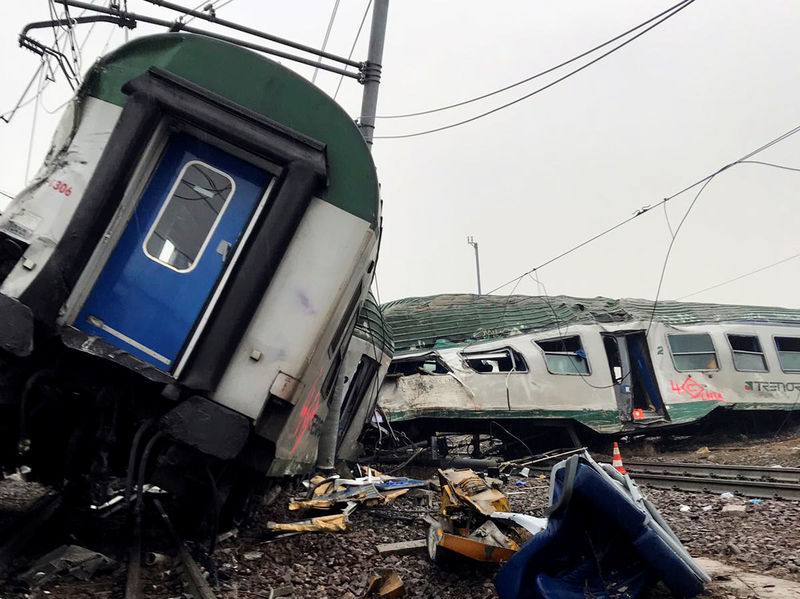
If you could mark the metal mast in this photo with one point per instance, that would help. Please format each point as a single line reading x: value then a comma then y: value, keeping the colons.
x: 372, y: 69
x: 471, y: 241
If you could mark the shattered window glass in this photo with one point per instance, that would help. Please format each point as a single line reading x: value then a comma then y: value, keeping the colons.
x: 427, y: 364
x: 788, y: 353
x: 504, y: 360
x: 693, y: 351
x: 747, y: 354
x: 565, y: 355
x: 188, y: 216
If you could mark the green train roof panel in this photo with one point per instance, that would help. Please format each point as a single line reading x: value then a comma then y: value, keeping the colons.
x: 372, y: 327
x: 260, y: 84
x: 446, y: 320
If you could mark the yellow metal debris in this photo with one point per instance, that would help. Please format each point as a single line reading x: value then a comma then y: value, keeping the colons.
x: 331, y: 523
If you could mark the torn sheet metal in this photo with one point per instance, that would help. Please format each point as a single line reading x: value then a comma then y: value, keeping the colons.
x: 330, y: 523
x: 392, y: 483
x: 487, y: 543
x: 530, y: 523
x: 466, y: 486
x: 373, y: 489
x: 78, y: 561
x: 464, y: 526
x: 387, y: 584
x: 362, y: 494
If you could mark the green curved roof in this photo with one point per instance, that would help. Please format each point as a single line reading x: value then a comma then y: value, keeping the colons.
x: 447, y: 320
x: 372, y: 327
x: 257, y: 83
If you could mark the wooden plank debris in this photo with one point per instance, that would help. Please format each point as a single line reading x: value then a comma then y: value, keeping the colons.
x: 403, y: 547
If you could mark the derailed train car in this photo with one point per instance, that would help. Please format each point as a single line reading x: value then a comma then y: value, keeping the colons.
x: 189, y: 262
x: 363, y: 370
x: 605, y: 366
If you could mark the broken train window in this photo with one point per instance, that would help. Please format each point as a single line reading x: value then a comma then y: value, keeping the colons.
x: 693, y: 351
x: 426, y: 364
x: 189, y: 216
x: 788, y: 353
x: 501, y: 360
x: 565, y: 355
x: 747, y: 353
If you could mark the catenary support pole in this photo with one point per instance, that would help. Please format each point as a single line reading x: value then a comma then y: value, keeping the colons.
x: 372, y: 70
x: 471, y: 241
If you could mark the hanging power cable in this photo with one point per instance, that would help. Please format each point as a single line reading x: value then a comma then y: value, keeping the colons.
x: 327, y: 36
x: 532, y: 77
x: 670, y: 13
x: 353, y: 47
x: 22, y: 102
x: 743, y: 160
x: 747, y: 274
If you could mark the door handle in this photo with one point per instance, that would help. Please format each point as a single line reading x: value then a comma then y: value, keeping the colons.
x: 223, y: 247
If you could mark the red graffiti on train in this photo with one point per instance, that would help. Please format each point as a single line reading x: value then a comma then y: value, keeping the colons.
x: 307, y: 412
x: 695, y: 390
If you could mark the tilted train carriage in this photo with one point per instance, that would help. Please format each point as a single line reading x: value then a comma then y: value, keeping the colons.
x: 363, y: 370
x: 609, y: 367
x: 190, y: 261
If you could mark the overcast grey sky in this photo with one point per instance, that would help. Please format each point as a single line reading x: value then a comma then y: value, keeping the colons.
x: 701, y: 90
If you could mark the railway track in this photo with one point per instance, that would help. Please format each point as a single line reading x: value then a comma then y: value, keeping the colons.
x: 742, y: 480
x: 748, y: 481
x: 20, y: 527
x: 194, y: 582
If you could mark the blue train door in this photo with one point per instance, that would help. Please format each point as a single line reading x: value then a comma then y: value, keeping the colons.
x: 160, y: 275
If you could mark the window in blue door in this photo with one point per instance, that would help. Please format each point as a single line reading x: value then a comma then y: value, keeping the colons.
x: 188, y: 216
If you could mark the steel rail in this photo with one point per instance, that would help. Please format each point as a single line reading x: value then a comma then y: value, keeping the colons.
x: 717, y: 471
x: 743, y: 480
x: 197, y: 585
x: 705, y: 484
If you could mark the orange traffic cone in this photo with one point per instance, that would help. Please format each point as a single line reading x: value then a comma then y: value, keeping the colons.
x: 616, y: 460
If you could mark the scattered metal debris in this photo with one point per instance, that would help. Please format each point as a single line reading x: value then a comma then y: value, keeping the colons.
x: 465, y: 526
x: 387, y: 584
x: 403, y: 547
x: 331, y: 523
x: 77, y: 561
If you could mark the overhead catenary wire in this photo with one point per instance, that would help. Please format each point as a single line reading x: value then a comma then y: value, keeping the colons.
x: 531, y: 77
x: 742, y: 276
x: 670, y: 13
x: 743, y: 160
x: 327, y: 37
x: 22, y: 102
x: 210, y: 7
x: 353, y: 47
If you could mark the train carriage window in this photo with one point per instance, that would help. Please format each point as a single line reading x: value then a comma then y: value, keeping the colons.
x: 693, y: 351
x: 188, y: 216
x: 788, y: 353
x: 503, y: 360
x: 747, y: 354
x: 426, y: 364
x: 565, y: 355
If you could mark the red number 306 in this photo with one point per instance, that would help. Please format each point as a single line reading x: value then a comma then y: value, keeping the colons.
x: 60, y: 186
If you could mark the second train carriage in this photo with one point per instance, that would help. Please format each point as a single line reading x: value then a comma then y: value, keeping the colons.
x: 190, y: 260
x: 364, y: 367
x: 610, y: 366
